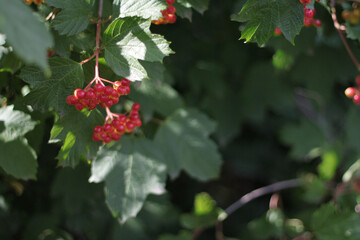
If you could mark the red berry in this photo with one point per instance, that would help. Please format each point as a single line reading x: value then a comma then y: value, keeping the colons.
x: 277, y: 31
x: 133, y: 117
x: 103, y: 135
x: 108, y: 90
x: 164, y: 12
x: 356, y: 99
x: 122, y: 118
x: 79, y: 106
x: 125, y: 82
x: 103, y: 98
x: 96, y: 137
x: 71, y: 100
x: 92, y: 106
x: 115, y: 136
x: 90, y: 94
x: 109, y: 103
x: 308, y: 22
x: 121, y: 90
x: 171, y: 18
x: 170, y: 2
x: 137, y: 122
x: 97, y: 129
x: 102, y: 104
x: 84, y: 102
x: 115, y: 101
x: 317, y: 23
x: 120, y: 128
x: 350, y: 92
x: 116, y: 123
x: 114, y: 93
x: 79, y: 93
x: 171, y: 9
x: 130, y: 126
x: 107, y: 139
x: 107, y: 128
x: 309, y: 13
x: 99, y: 88
x: 127, y: 90
x: 135, y: 107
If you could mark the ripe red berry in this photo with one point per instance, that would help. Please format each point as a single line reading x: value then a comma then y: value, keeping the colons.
x: 356, y: 99
x: 109, y: 103
x: 79, y: 93
x: 317, y: 23
x: 115, y: 136
x: 309, y: 13
x: 350, y: 92
x: 96, y: 137
x: 171, y: 18
x: 108, y: 90
x: 305, y: 1
x: 120, y: 129
x: 107, y: 139
x: 90, y: 94
x: 122, y: 118
x: 308, y: 22
x: 107, y: 128
x: 277, y: 31
x: 79, y: 106
x: 135, y: 107
x: 130, y: 126
x: 71, y: 100
x: 170, y: 2
x: 99, y: 88
x: 171, y: 9
x: 138, y: 122
x: 125, y: 82
x: 97, y: 129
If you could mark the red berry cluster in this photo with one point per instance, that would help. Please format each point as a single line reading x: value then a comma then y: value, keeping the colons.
x: 102, y: 95
x: 354, y: 92
x: 168, y: 14
x: 309, y: 15
x: 113, y: 129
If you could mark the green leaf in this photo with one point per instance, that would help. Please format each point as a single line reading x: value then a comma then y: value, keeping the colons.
x: 16, y: 124
x: 141, y: 8
x: 75, y: 130
x: 263, y: 16
x: 67, y: 75
x: 25, y: 33
x: 353, y: 32
x: 184, y: 138
x: 18, y: 159
x: 330, y: 223
x: 131, y: 169
x: 129, y: 40
x: 328, y: 165
x: 303, y: 137
x: 156, y: 96
x: 73, y: 17
x: 269, y: 226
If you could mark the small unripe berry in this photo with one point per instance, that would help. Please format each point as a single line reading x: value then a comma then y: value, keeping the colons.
x: 345, y: 14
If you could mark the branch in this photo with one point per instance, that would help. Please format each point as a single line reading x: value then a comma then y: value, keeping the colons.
x: 341, y: 28
x: 260, y: 192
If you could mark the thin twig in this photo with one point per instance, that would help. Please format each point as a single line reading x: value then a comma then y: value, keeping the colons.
x: 88, y: 59
x: 261, y: 192
x: 339, y: 29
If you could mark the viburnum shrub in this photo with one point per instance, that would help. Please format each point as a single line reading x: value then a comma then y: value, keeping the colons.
x: 106, y: 133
